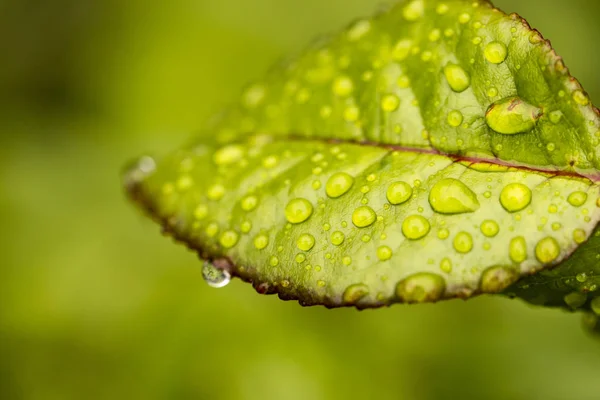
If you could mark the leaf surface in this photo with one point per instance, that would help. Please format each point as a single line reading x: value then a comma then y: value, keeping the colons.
x: 438, y: 150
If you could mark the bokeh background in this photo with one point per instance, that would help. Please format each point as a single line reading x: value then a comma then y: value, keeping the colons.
x: 95, y: 304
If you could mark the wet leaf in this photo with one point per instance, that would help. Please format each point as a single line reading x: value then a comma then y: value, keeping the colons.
x: 438, y: 150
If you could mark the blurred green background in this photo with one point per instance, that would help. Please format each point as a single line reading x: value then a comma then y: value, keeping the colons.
x: 95, y: 304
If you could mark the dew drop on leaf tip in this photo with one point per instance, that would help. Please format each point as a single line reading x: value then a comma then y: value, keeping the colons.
x: 215, y: 277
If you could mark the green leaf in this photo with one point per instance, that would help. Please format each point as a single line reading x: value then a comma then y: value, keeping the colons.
x: 438, y: 150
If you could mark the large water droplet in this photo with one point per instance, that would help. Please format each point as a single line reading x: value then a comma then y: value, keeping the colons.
x: 512, y: 115
x: 458, y: 79
x: 577, y: 199
x: 342, y: 86
x: 496, y: 279
x: 390, y: 102
x: 228, y: 154
x: 338, y: 184
x: 229, y: 239
x: 363, y: 216
x: 337, y: 238
x: 261, y: 241
x: 490, y: 228
x: 451, y: 196
x: 579, y: 236
x: 215, y: 277
x: 413, y: 10
x: 495, y: 52
x: 216, y: 192
x: 515, y: 197
x: 455, y: 118
x: 575, y: 299
x: 415, y: 227
x: 305, y: 242
x: 249, y: 203
x: 384, y: 253
x: 354, y: 293
x: 518, y: 249
x: 298, y: 210
x: 595, y: 305
x: 547, y: 250
x: 420, y: 288
x: 463, y: 242
x: 399, y: 192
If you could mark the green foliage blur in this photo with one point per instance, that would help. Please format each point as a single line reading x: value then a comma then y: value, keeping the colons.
x: 95, y: 304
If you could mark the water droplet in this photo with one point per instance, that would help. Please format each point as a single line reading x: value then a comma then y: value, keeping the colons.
x: 575, y: 300
x: 457, y: 77
x: 215, y: 277
x: 451, y: 196
x: 495, y: 52
x: 446, y: 265
x: 338, y: 184
x: 403, y: 82
x: 550, y: 147
x: 337, y: 238
x: 434, y: 35
x: 228, y: 154
x: 212, y: 229
x: 358, y: 30
x: 300, y: 258
x: 415, y: 227
x: 201, y: 211
x: 580, y: 98
x: 581, y: 277
x: 216, y: 192
x: 354, y: 293
x: 413, y: 10
x: 492, y: 92
x: 555, y: 116
x: 351, y: 114
x: 464, y: 18
x: 595, y: 305
x: 515, y: 197
x: 246, y: 226
x: 343, y: 86
x: 249, y: 203
x: 363, y: 216
x: 577, y: 199
x: 398, y: 192
x: 229, y: 239
x: 443, y: 234
x: 270, y: 161
x: 490, y: 228
x: 579, y: 236
x: 442, y: 9
x: 512, y: 115
x: 518, y: 249
x: 463, y: 242
x: 305, y: 242
x: 384, y: 253
x: 420, y: 288
x: 274, y: 261
x: 455, y: 118
x: 347, y: 260
x: 547, y: 250
x: 261, y: 241
x: 298, y: 210
x: 496, y: 279
x: 390, y: 102
x: 254, y: 96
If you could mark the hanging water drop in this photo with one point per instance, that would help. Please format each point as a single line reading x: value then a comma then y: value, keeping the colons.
x: 215, y: 277
x: 420, y: 288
